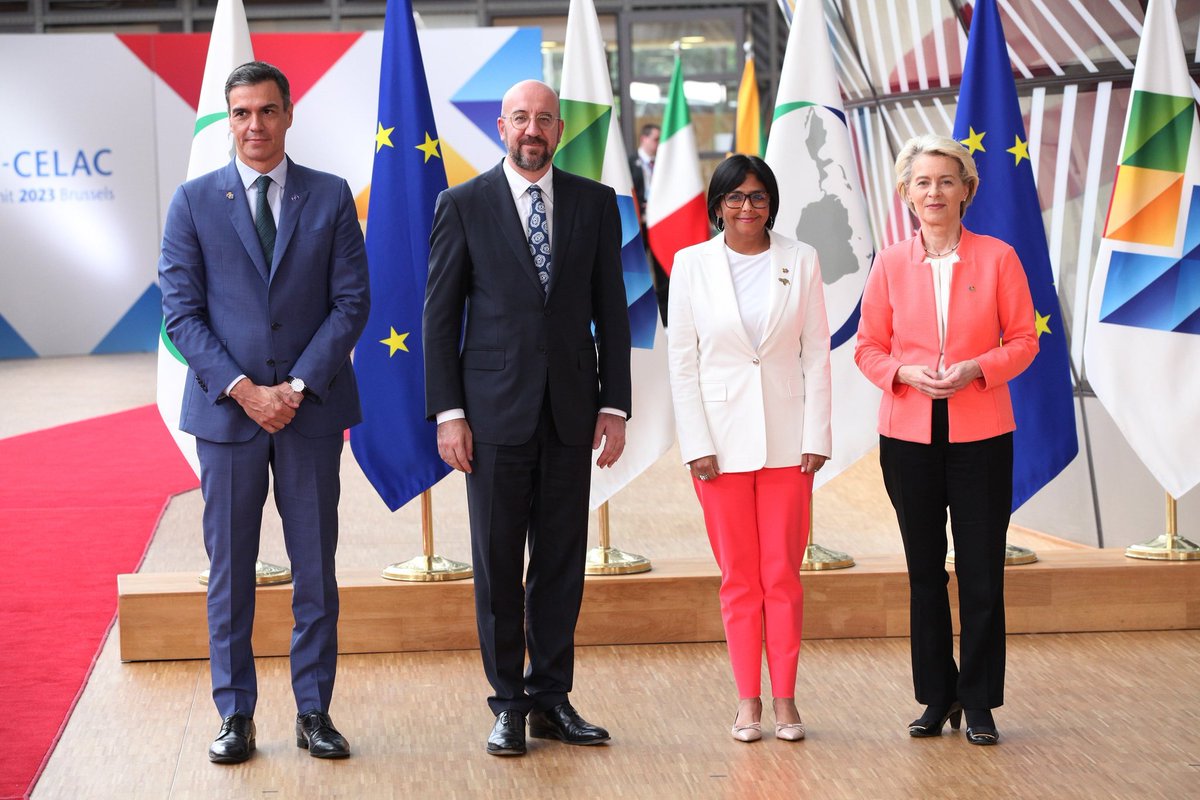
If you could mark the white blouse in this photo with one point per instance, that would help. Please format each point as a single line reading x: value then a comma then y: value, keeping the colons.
x: 752, y: 288
x: 942, y: 269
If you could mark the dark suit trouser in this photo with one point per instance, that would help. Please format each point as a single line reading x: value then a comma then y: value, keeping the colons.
x: 537, y: 489
x: 234, y: 480
x: 973, y: 479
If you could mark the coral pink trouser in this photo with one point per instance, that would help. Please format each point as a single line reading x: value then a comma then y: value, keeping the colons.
x: 758, y: 526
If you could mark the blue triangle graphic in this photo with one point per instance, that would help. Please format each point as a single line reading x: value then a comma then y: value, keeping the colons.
x: 137, y: 331
x: 518, y: 59
x: 12, y: 344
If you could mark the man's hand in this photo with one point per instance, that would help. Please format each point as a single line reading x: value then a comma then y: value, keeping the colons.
x: 455, y: 444
x: 611, y: 429
x: 272, y: 407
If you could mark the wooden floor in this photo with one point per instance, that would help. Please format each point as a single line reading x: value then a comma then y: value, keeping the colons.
x: 1088, y: 715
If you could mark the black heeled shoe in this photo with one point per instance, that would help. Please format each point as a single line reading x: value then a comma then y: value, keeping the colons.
x: 981, y: 728
x: 934, y: 719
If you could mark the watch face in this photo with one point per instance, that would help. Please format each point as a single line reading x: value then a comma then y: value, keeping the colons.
x: 298, y: 386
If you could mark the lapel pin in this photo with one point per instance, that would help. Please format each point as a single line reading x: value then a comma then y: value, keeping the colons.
x: 785, y: 270
x: 971, y: 288
x: 229, y: 195
x: 295, y: 197
x: 784, y: 281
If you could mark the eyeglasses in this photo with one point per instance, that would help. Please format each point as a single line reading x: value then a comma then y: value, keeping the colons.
x: 520, y: 120
x: 737, y: 199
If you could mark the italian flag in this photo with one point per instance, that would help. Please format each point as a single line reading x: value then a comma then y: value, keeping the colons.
x: 676, y: 216
x: 229, y: 47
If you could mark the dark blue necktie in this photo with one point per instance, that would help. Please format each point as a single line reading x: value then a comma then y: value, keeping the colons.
x: 539, y: 236
x: 264, y: 220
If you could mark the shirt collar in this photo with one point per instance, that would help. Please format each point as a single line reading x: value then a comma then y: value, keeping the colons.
x: 519, y: 185
x: 249, y: 175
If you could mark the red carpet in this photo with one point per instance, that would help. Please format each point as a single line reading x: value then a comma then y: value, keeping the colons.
x: 78, y: 505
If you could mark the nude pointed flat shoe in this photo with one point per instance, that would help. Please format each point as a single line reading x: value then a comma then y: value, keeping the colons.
x: 747, y: 733
x: 789, y: 731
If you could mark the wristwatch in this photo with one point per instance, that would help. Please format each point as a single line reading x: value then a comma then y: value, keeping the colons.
x: 297, y: 384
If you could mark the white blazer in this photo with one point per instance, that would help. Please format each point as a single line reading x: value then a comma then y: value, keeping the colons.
x: 752, y: 408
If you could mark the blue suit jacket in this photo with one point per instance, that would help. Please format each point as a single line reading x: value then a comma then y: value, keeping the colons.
x: 229, y: 313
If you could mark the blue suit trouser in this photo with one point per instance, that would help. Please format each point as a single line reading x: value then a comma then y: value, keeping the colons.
x: 234, y: 482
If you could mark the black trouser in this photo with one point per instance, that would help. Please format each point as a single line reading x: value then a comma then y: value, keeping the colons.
x: 535, y: 492
x: 973, y: 479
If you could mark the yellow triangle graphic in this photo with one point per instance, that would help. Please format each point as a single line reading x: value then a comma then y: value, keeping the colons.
x: 1156, y: 222
x: 1134, y: 189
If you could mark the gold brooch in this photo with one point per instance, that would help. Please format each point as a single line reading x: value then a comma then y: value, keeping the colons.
x: 229, y: 195
x: 784, y: 281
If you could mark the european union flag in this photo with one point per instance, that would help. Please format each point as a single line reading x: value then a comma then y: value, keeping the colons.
x: 395, y: 445
x: 989, y: 123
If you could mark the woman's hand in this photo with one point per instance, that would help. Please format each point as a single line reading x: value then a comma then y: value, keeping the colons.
x: 704, y: 468
x: 811, y: 462
x: 957, y: 376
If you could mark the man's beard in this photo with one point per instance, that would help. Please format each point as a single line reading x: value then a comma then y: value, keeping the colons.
x: 531, y: 164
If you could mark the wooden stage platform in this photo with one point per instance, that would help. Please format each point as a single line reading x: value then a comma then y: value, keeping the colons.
x: 162, y: 616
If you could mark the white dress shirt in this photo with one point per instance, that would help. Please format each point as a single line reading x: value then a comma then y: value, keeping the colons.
x: 274, y: 199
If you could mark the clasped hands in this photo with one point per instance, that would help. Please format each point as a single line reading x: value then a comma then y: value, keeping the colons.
x: 272, y: 407
x: 456, y: 445
x: 939, y: 387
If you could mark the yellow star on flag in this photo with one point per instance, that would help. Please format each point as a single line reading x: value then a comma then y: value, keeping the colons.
x: 1019, y: 150
x: 430, y: 148
x: 395, y: 342
x: 975, y: 141
x: 383, y: 137
x: 1041, y: 323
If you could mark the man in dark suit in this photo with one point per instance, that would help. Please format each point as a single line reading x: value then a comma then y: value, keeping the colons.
x: 522, y: 394
x: 265, y: 291
x: 641, y: 167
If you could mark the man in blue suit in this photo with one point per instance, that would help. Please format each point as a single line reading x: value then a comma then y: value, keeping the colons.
x: 265, y: 291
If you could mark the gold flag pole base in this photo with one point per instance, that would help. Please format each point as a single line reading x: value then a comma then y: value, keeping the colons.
x: 606, y: 560
x: 611, y: 561
x: 427, y: 568
x: 1164, y: 548
x: 818, y: 557
x: 1014, y: 555
x: 264, y: 574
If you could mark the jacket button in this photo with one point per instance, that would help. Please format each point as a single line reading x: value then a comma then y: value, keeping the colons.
x: 546, y: 313
x: 755, y: 361
x: 275, y: 326
x: 270, y: 362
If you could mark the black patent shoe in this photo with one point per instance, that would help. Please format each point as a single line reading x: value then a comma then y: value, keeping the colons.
x: 235, y: 741
x: 316, y: 734
x: 508, y: 735
x: 934, y: 719
x: 564, y: 723
x: 981, y: 728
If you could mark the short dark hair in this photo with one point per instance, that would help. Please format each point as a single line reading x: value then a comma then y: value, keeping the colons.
x: 729, y: 175
x: 257, y: 72
x: 649, y: 128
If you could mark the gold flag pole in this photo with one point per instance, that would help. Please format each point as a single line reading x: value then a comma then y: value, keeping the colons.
x: 1170, y: 546
x: 427, y: 567
x: 265, y: 574
x: 1014, y: 555
x: 606, y: 560
x: 818, y: 557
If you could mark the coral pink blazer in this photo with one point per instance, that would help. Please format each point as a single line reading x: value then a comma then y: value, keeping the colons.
x: 990, y: 319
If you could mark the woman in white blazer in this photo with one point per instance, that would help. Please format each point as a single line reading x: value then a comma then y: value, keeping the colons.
x: 749, y: 360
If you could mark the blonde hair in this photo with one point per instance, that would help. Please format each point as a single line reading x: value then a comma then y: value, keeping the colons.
x: 932, y: 145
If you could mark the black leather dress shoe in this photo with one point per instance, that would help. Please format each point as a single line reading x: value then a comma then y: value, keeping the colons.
x: 508, y: 735
x: 316, y: 734
x: 564, y: 723
x: 235, y: 742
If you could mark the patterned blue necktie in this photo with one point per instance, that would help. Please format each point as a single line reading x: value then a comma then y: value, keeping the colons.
x: 264, y: 220
x: 539, y: 236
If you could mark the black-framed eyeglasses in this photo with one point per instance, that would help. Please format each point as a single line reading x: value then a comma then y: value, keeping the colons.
x: 738, y: 199
x: 520, y: 120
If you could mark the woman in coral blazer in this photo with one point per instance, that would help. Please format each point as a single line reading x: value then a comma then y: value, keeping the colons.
x: 749, y: 361
x: 947, y: 321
